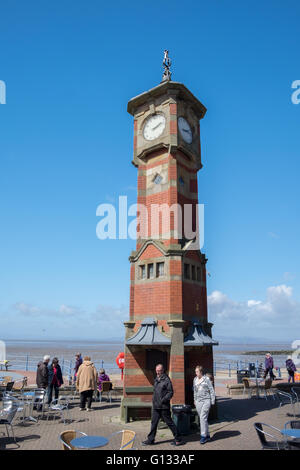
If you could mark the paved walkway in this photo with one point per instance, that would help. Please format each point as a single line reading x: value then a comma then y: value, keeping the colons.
x: 233, y: 431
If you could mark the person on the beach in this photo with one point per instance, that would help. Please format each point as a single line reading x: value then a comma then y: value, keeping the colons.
x: 269, y: 364
x: 163, y: 392
x: 55, y: 379
x: 291, y: 368
x: 77, y: 365
x: 103, y: 377
x: 42, y: 373
x: 86, y: 383
x: 204, y: 397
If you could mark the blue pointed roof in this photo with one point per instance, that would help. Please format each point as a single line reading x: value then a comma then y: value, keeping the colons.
x: 148, y: 334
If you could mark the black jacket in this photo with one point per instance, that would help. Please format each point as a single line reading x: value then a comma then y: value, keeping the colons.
x: 42, y: 375
x: 163, y: 392
x: 58, y: 374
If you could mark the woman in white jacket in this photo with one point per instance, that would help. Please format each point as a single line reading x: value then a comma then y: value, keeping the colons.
x: 204, y: 397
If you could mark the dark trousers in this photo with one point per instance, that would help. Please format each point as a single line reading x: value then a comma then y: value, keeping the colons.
x: 50, y: 392
x: 166, y: 416
x: 291, y: 376
x: 269, y: 370
x: 86, y: 396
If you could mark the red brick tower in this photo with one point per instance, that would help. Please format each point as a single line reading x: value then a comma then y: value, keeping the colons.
x: 168, y: 299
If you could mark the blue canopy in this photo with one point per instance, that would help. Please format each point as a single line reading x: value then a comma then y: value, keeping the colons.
x: 148, y: 334
x: 198, y: 337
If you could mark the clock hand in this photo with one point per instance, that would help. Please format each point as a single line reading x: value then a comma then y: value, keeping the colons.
x: 156, y: 126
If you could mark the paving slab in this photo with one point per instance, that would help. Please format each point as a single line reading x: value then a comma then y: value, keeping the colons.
x: 233, y: 430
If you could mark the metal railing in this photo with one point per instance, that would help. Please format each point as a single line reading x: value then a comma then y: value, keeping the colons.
x: 231, y: 368
x: 29, y: 363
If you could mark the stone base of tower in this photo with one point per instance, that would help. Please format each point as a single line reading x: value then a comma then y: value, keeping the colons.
x: 139, y: 375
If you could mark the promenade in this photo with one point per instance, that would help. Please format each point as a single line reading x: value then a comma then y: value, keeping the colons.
x: 233, y: 430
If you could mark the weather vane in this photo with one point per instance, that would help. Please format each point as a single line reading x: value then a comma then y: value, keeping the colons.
x: 166, y: 64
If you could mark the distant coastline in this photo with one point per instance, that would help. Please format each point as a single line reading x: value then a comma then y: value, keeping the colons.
x: 278, y: 352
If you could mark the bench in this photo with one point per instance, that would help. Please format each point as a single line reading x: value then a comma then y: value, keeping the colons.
x: 5, y: 363
x: 237, y: 389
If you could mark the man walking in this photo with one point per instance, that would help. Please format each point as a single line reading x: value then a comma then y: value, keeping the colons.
x: 42, y: 373
x: 163, y: 392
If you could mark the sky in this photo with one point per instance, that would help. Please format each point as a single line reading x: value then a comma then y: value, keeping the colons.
x: 66, y: 145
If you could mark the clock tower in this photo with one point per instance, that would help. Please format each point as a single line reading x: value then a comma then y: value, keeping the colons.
x: 168, y: 321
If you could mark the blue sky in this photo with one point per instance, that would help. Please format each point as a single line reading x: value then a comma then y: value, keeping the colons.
x: 66, y: 146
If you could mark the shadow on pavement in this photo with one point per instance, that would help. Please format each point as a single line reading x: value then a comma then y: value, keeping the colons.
x: 232, y: 409
x: 4, y: 441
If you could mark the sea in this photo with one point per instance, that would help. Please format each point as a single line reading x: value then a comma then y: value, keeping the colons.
x: 25, y: 354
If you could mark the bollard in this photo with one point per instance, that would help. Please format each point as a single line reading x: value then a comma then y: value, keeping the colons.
x: 279, y: 372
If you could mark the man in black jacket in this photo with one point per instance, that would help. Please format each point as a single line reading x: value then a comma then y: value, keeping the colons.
x: 163, y: 392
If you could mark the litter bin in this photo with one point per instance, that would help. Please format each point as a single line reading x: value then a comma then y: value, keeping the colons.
x: 252, y: 369
x: 182, y: 418
x: 241, y: 374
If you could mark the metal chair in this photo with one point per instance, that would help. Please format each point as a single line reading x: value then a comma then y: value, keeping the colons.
x: 59, y: 406
x: 39, y: 400
x: 67, y: 436
x: 247, y: 387
x: 106, y: 388
x: 7, y: 414
x: 7, y: 388
x: 286, y: 399
x: 128, y: 438
x: 296, y: 393
x: 8, y: 396
x: 7, y: 379
x: 20, y: 384
x: 293, y: 425
x: 266, y: 388
x: 276, y: 443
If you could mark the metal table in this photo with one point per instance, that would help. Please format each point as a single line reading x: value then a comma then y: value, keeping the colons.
x: 293, y: 433
x: 89, y: 442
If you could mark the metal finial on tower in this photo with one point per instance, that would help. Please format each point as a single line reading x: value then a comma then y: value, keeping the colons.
x: 166, y: 64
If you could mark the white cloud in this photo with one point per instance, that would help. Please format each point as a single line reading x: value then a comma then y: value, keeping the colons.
x: 105, y: 321
x: 27, y: 309
x: 287, y: 276
x: 273, y: 235
x: 69, y: 310
x: 277, y: 311
x: 251, y: 303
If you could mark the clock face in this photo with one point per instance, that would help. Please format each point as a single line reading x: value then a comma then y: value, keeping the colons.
x: 154, y: 126
x: 185, y: 130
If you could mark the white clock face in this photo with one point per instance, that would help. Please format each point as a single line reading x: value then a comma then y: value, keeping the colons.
x: 185, y: 130
x: 154, y: 126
